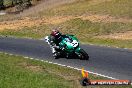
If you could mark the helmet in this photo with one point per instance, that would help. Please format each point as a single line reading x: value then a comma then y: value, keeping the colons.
x: 56, y: 33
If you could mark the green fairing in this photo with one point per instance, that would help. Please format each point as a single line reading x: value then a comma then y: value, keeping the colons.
x: 67, y: 43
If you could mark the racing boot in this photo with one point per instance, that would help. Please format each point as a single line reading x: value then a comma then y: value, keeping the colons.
x: 56, y: 55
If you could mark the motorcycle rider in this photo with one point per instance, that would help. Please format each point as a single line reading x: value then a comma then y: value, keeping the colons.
x: 54, y: 39
x: 59, y: 45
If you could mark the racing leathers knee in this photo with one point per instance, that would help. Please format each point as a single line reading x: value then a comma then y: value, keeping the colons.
x: 53, y: 43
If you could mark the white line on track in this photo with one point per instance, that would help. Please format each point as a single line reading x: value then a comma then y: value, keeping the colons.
x: 66, y: 66
x: 74, y: 68
x: 26, y: 57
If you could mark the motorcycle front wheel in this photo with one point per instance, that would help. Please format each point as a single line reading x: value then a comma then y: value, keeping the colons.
x: 83, y: 55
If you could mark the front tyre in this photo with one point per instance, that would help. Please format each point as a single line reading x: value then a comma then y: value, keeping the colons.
x: 83, y: 55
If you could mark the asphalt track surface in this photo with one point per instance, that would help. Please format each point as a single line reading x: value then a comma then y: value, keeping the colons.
x: 111, y: 62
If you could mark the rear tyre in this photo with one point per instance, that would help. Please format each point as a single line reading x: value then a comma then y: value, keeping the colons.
x: 84, y: 55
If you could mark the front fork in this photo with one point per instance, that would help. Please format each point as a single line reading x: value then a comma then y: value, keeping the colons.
x: 77, y: 51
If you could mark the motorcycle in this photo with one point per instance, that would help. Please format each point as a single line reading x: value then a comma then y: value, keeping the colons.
x: 69, y: 47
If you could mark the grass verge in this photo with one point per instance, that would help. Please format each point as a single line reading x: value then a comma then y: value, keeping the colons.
x: 85, y: 30
x: 109, y: 42
x: 18, y: 72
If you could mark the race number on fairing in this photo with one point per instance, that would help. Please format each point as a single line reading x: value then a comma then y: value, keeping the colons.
x: 74, y: 43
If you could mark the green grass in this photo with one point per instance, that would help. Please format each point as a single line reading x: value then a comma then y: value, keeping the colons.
x: 18, y: 72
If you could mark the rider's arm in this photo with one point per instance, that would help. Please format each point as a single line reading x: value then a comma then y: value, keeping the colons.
x: 62, y: 46
x: 52, y: 40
